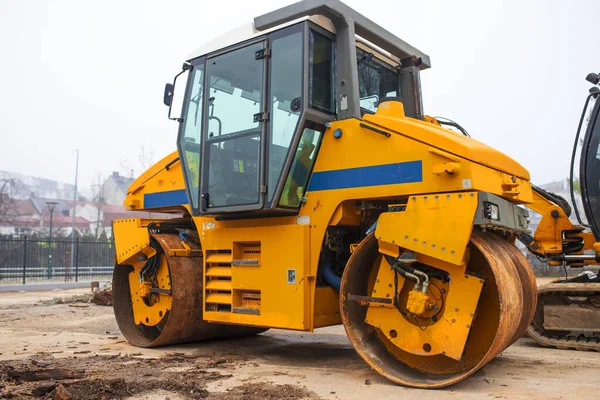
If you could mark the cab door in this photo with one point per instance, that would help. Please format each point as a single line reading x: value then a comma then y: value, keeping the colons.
x: 235, y: 127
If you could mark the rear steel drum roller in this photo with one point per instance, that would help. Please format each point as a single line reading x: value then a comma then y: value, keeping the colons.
x: 174, y: 315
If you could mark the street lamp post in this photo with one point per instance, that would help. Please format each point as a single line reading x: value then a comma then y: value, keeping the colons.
x: 73, y: 216
x: 51, y: 207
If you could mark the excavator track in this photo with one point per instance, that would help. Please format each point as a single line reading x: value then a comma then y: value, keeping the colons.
x: 562, y: 293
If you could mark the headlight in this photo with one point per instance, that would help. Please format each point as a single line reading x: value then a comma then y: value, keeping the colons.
x: 491, y: 211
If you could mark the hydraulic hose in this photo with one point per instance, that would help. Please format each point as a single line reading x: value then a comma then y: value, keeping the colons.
x: 553, y: 197
x: 330, y: 277
x: 573, y: 155
x: 405, y: 271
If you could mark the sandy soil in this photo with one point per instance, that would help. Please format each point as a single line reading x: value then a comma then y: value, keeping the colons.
x: 82, y: 342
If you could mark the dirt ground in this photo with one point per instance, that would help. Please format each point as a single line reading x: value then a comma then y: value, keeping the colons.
x: 76, y: 349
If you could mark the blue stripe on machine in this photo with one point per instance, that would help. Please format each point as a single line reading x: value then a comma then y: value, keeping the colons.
x: 165, y: 199
x: 375, y: 175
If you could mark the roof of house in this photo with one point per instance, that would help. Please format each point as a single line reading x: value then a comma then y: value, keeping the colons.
x: 41, y: 204
x: 21, y: 222
x: 61, y: 221
x: 121, y: 181
x: 24, y: 207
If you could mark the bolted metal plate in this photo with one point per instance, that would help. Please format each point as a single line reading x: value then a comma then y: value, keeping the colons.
x: 412, y: 228
x: 448, y: 335
x: 131, y: 237
x: 150, y: 314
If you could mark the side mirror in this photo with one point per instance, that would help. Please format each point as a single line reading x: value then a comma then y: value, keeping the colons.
x: 593, y: 78
x: 168, y: 96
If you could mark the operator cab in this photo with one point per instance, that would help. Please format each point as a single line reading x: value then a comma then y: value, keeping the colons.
x: 589, y: 166
x: 257, y: 102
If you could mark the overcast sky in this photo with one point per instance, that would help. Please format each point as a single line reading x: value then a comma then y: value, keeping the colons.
x: 89, y: 75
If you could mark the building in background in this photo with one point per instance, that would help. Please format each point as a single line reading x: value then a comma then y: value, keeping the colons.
x: 32, y: 217
x: 114, y: 188
x: 30, y: 186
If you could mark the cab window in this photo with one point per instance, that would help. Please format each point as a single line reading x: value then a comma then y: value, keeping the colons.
x: 297, y: 180
x: 286, y: 100
x: 376, y: 80
x: 320, y: 74
x: 189, y: 139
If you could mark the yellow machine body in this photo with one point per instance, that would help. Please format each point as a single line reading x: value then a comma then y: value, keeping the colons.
x: 304, y: 306
x: 263, y: 272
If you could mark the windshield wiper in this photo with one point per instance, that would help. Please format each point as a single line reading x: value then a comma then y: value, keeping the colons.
x: 366, y: 57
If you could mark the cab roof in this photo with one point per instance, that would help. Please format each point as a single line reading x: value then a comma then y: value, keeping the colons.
x: 313, y: 9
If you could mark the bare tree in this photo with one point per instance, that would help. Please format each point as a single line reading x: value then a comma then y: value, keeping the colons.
x: 8, y: 188
x: 145, y: 157
x: 369, y: 79
x: 127, y: 167
x: 100, y: 204
x: 8, y: 211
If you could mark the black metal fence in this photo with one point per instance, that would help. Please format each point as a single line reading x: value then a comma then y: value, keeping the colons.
x: 33, y: 260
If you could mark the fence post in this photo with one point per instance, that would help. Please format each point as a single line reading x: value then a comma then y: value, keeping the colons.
x: 24, y: 258
x: 77, y: 260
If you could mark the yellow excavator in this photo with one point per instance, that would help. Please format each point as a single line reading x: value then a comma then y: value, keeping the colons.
x: 309, y: 189
x: 568, y: 310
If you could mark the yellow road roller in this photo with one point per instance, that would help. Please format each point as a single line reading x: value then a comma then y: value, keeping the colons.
x: 309, y: 189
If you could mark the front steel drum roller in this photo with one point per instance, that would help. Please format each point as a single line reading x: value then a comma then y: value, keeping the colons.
x: 169, y: 305
x: 498, y: 318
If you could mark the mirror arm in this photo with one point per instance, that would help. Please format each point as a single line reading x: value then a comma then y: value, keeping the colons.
x: 185, y: 67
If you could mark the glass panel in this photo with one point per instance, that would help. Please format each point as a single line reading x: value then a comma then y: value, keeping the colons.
x: 235, y: 92
x: 189, y: 141
x: 233, y: 137
x: 321, y: 73
x: 286, y: 101
x: 376, y: 80
x: 233, y: 171
x: 297, y: 180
